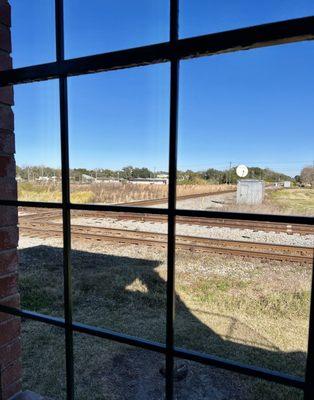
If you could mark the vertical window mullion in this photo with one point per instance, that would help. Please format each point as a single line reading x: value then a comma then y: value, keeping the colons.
x: 173, y: 144
x: 66, y: 213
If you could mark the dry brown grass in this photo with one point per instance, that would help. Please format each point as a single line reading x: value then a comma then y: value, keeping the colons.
x: 109, y: 193
x: 249, y: 311
x: 127, y: 192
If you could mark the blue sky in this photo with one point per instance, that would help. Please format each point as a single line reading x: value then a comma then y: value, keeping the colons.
x: 253, y: 107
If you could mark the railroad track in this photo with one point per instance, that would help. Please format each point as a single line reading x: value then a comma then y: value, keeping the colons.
x: 209, y: 222
x: 153, y: 202
x: 190, y: 243
x: 141, y: 203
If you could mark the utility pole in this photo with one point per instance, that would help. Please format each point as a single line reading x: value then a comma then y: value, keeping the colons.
x: 229, y: 173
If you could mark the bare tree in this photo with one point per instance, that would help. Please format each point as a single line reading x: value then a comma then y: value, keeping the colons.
x: 307, y: 175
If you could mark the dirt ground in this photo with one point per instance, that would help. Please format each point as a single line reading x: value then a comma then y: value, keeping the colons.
x: 294, y: 201
x: 246, y: 310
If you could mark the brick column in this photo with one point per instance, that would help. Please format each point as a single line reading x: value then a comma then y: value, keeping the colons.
x: 10, y: 347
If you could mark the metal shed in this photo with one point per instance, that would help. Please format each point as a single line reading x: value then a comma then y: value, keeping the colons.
x: 250, y: 191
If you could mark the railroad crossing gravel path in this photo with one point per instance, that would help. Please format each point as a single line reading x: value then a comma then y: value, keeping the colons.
x: 216, y: 201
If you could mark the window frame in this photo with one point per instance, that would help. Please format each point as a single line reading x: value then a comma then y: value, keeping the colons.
x: 173, y: 51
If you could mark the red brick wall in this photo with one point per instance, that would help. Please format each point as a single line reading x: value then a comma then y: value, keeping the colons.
x: 10, y: 347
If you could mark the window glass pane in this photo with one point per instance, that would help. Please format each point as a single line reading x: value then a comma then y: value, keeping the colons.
x: 239, y: 284
x: 33, y: 32
x: 237, y: 291
x: 251, y: 108
x: 41, y: 260
x: 43, y: 360
x: 113, y: 371
x: 118, y: 125
x: 200, y: 17
x: 101, y: 26
x: 37, y: 137
x: 120, y: 272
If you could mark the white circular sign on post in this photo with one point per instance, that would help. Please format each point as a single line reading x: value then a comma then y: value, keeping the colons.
x: 242, y: 170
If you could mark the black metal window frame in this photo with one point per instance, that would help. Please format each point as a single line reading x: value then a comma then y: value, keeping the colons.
x: 276, y: 33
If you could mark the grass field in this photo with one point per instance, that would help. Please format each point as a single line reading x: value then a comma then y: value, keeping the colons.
x: 108, y: 192
x: 253, y: 312
x: 300, y: 201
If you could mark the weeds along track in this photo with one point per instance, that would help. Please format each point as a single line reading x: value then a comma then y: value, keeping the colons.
x: 187, y: 243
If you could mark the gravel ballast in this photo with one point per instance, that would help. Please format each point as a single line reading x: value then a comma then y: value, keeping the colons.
x: 247, y: 235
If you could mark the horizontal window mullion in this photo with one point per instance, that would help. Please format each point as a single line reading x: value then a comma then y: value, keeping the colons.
x: 234, y: 366
x: 286, y: 219
x: 274, y: 33
x: 86, y: 329
x: 206, y: 359
x: 32, y: 204
x: 32, y: 315
x: 118, y: 337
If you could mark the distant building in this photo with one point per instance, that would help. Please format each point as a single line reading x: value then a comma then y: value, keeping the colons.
x: 162, y: 176
x: 107, y: 180
x: 250, y: 191
x: 87, y: 178
x: 43, y: 179
x: 287, y: 184
x: 149, y: 181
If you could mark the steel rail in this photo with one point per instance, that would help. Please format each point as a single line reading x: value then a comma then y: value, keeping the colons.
x: 164, y: 200
x: 116, y: 232
x: 208, y: 222
x: 190, y: 243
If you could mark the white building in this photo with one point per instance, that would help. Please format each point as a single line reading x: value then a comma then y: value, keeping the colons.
x: 149, y: 181
x: 287, y: 184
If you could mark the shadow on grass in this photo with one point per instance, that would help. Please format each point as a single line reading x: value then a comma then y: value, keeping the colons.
x: 128, y: 295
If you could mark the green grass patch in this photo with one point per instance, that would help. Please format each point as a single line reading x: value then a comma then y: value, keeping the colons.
x: 299, y: 201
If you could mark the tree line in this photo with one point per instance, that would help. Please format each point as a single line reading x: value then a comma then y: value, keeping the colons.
x: 307, y: 176
x: 209, y: 175
x: 230, y: 175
